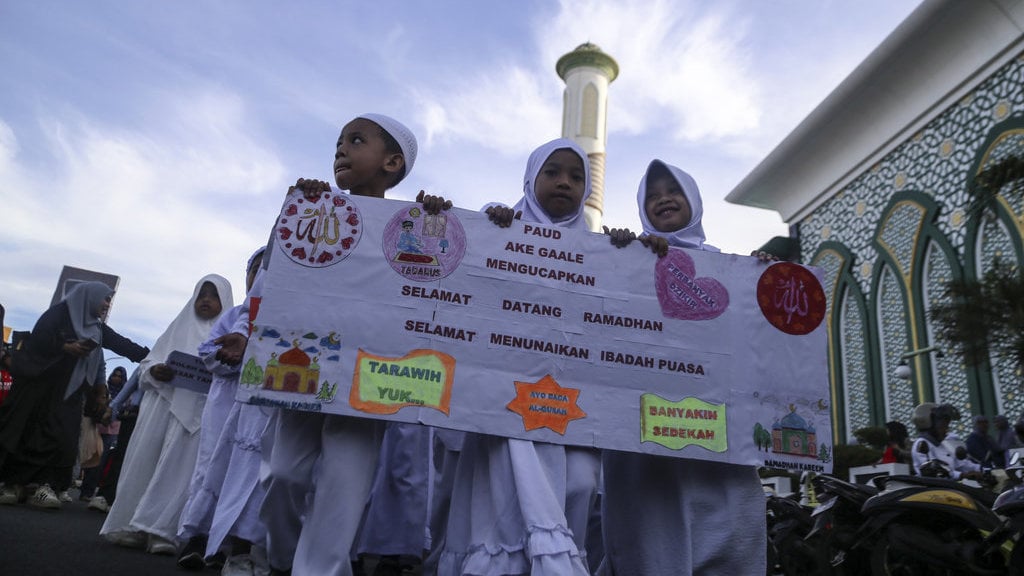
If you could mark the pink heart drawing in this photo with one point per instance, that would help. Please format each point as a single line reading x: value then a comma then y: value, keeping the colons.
x: 684, y: 296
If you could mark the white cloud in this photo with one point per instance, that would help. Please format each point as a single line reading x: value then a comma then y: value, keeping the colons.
x: 160, y: 209
x: 507, y: 110
x: 681, y: 65
x: 8, y: 148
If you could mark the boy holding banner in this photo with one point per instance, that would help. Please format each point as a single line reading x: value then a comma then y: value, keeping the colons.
x: 373, y: 154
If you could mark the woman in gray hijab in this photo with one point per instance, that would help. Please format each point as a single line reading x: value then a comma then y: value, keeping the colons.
x: 40, y: 420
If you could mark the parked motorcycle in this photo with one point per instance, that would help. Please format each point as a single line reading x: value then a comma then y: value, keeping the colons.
x: 1010, y: 506
x: 789, y: 521
x: 837, y: 523
x: 919, y: 525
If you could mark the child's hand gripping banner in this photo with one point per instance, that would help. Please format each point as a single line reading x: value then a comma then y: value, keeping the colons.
x: 373, y: 308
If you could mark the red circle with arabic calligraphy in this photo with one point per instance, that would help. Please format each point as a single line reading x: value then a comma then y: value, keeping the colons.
x: 318, y: 233
x: 791, y: 298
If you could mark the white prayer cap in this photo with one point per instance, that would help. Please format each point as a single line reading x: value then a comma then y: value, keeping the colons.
x: 401, y: 134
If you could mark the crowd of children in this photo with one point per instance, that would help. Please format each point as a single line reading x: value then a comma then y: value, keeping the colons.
x: 276, y: 491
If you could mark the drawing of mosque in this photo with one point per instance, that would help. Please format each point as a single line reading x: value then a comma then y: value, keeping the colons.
x: 793, y: 435
x: 293, y: 371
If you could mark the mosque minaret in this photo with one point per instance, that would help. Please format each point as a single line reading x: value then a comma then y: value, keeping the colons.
x: 587, y: 72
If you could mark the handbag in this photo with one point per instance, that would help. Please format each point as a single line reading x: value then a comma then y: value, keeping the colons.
x: 90, y: 444
x: 24, y: 364
x: 21, y: 364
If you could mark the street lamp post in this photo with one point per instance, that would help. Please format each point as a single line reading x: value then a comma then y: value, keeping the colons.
x: 903, y: 371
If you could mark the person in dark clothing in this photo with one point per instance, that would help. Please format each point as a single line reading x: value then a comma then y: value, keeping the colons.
x: 980, y: 445
x: 40, y: 421
x: 125, y: 408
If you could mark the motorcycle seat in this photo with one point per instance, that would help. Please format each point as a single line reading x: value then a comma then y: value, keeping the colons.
x: 985, y: 497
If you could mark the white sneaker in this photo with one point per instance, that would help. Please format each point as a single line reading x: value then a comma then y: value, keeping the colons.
x: 98, y: 503
x: 127, y: 539
x: 238, y: 565
x: 64, y: 496
x: 44, y: 497
x: 11, y: 494
x: 161, y: 546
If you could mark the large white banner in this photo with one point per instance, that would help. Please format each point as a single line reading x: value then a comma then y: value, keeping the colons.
x: 373, y: 308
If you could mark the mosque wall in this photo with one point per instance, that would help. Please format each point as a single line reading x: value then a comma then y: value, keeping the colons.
x: 890, y: 240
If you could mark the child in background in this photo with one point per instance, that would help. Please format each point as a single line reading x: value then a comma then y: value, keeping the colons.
x: 896, y: 445
x: 165, y: 444
x: 217, y: 437
x: 670, y: 516
x: 124, y: 407
x: 373, y: 154
x: 512, y: 498
x: 109, y: 432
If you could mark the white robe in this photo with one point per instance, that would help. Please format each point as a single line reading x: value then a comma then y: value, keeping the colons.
x: 206, y: 475
x: 507, y: 513
x: 676, y: 517
x: 163, y: 450
x: 395, y: 522
x: 240, y: 453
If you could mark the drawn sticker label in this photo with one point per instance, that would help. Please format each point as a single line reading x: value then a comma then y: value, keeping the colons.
x: 297, y: 368
x: 424, y: 247
x: 676, y: 425
x: 791, y: 298
x: 318, y: 233
x: 545, y: 404
x: 682, y: 294
x: 384, y: 385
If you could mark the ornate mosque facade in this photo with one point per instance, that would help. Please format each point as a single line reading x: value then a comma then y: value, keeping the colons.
x: 874, y: 186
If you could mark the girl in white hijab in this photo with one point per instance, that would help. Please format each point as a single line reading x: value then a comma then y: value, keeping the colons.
x: 671, y: 516
x: 163, y: 451
x: 509, y: 501
x: 227, y: 467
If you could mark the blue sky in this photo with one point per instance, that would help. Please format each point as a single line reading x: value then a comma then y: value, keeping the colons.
x: 155, y: 140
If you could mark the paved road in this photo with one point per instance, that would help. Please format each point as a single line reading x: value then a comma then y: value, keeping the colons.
x: 66, y: 542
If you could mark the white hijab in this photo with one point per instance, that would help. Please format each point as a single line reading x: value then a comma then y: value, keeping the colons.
x: 185, y: 333
x: 532, y: 210
x: 83, y: 301
x: 689, y: 236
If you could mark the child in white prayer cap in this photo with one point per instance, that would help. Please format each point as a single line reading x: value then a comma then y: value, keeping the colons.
x: 373, y: 154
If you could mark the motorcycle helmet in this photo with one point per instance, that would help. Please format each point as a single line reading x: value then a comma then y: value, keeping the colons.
x: 922, y: 417
x: 928, y: 413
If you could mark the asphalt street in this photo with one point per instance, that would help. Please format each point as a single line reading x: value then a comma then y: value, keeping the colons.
x: 66, y: 542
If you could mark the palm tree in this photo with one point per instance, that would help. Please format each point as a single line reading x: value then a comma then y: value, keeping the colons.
x: 979, y: 318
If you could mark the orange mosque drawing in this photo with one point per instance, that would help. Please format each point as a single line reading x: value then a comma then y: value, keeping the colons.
x: 293, y: 371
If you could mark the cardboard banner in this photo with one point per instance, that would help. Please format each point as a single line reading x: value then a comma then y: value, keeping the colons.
x: 71, y: 277
x: 373, y: 308
x: 190, y: 372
